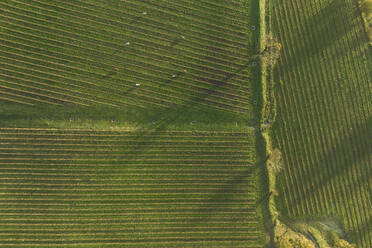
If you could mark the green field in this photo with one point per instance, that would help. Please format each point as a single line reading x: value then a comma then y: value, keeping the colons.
x: 146, y: 123
x: 128, y: 189
x: 90, y: 53
x: 129, y: 124
x: 324, y: 125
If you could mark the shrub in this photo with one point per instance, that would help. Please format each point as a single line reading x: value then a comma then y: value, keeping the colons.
x: 336, y: 242
x: 275, y: 161
x: 340, y: 243
x: 287, y: 238
x: 271, y: 53
x: 366, y: 9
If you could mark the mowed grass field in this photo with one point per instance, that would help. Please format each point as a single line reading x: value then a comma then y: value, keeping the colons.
x: 127, y: 189
x: 324, y: 125
x: 129, y: 124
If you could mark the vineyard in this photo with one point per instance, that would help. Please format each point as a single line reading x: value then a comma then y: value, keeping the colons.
x: 324, y: 120
x: 129, y: 124
x: 127, y: 189
x: 129, y: 54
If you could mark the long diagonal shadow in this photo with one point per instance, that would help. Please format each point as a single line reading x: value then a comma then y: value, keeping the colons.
x: 319, y: 27
x: 361, y: 134
x: 202, y: 95
x: 228, y: 187
x: 364, y: 230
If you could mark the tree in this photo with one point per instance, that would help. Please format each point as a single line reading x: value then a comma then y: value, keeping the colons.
x: 271, y: 53
x: 340, y: 243
x: 337, y: 242
x: 287, y: 238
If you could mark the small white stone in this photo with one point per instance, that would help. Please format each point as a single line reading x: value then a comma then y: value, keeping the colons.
x: 183, y: 37
x: 138, y: 84
x: 128, y: 43
x: 173, y: 76
x: 144, y: 13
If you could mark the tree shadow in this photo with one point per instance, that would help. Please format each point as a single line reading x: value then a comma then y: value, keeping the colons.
x: 217, y: 85
x: 135, y: 20
x: 345, y: 154
x: 364, y: 231
x: 320, y: 32
x: 175, y: 42
x: 225, y: 193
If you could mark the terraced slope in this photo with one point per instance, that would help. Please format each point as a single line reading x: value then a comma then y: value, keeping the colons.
x: 324, y: 123
x: 128, y: 53
x: 76, y: 188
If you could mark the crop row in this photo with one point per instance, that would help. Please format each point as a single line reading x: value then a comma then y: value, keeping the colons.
x: 190, y: 133
x: 102, y: 42
x: 139, y: 56
x: 168, y: 74
x: 317, y: 186
x: 130, y: 135
x: 21, y: 65
x: 55, y: 14
x: 10, y: 10
x: 229, y: 30
x: 130, y: 139
x: 175, y: 220
x: 210, y: 194
x: 117, y: 142
x: 97, y: 133
x: 197, y: 33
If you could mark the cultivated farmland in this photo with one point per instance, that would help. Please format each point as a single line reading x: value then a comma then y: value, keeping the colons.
x: 127, y: 189
x: 129, y: 53
x: 143, y: 123
x: 324, y: 125
x: 129, y: 124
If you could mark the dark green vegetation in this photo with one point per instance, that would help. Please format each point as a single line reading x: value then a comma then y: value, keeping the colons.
x: 129, y: 124
x: 128, y: 189
x: 324, y: 120
x: 132, y: 53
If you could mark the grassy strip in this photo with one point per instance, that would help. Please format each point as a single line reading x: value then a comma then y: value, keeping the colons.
x: 265, y: 101
x: 263, y: 140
